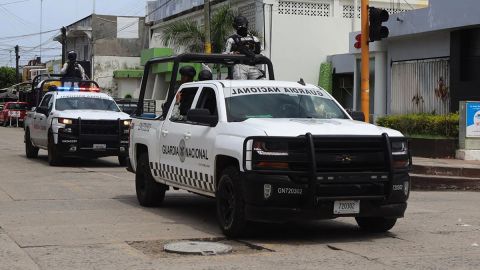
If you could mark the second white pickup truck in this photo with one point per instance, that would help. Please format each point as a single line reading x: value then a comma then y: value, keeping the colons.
x: 76, y: 121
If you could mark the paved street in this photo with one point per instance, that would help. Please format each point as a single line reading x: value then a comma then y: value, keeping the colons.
x: 85, y: 215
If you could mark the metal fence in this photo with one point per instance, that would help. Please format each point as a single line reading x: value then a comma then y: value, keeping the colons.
x: 421, y: 86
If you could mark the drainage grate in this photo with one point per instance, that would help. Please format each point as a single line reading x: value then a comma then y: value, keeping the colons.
x: 198, y: 248
x: 158, y: 248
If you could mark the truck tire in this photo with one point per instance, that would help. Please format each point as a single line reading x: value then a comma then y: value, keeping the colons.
x: 30, y: 150
x: 149, y: 192
x: 54, y: 156
x: 230, y: 203
x: 122, y: 160
x: 376, y: 224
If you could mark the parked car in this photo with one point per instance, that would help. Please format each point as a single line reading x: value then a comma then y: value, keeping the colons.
x: 13, y: 111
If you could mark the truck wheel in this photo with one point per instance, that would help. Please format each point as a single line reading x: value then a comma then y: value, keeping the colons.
x: 30, y: 150
x: 53, y: 153
x: 376, y: 224
x: 149, y: 192
x: 230, y: 203
x: 122, y: 160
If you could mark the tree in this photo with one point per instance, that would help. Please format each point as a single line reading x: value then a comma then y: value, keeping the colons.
x: 191, y: 36
x: 7, y: 77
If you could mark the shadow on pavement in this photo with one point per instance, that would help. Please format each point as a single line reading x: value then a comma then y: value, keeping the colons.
x: 200, y: 213
x: 81, y: 162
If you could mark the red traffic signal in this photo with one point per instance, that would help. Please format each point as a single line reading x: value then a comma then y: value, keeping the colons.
x: 358, y: 42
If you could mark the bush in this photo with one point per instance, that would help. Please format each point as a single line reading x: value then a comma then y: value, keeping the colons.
x: 422, y: 124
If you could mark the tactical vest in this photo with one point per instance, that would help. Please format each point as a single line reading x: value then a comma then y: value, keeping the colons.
x: 73, y: 71
x: 248, y: 42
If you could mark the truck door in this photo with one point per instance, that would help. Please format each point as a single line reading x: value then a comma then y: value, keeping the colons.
x: 44, y: 123
x: 39, y: 116
x: 174, y: 165
x: 202, y: 140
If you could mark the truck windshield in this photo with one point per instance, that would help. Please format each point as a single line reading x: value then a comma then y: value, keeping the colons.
x: 17, y: 106
x: 86, y: 103
x: 243, y: 107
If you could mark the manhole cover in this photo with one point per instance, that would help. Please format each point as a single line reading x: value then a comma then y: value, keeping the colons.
x: 197, y: 248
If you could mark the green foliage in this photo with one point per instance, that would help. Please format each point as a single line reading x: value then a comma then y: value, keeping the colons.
x: 326, y: 79
x: 185, y: 34
x: 191, y: 36
x: 422, y: 124
x: 7, y: 77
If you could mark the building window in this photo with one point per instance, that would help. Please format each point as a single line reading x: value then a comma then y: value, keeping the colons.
x: 85, y: 53
x: 304, y: 9
x: 348, y: 11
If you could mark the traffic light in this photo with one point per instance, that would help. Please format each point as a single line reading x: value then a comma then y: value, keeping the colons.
x: 358, y: 41
x: 378, y: 16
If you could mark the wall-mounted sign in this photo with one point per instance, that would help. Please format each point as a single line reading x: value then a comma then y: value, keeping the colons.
x: 473, y: 119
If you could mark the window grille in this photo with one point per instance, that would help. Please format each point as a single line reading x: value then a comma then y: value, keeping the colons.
x: 304, y: 9
x: 348, y: 11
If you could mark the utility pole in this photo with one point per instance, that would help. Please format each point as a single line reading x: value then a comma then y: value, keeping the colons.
x: 17, y: 57
x: 365, y: 66
x: 41, y: 26
x: 64, y: 44
x: 208, y: 39
x: 94, y: 4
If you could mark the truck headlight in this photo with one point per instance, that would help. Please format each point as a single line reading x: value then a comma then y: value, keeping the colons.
x: 399, y: 148
x: 270, y: 155
x: 65, y: 121
x: 126, y: 123
x: 401, y: 158
x: 270, y: 148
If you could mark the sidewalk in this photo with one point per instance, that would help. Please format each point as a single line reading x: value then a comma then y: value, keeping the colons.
x: 445, y: 174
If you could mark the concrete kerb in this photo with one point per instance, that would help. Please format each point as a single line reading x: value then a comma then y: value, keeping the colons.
x: 445, y: 174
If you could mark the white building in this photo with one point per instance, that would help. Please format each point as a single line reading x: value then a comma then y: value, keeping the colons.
x: 428, y: 64
x: 297, y: 35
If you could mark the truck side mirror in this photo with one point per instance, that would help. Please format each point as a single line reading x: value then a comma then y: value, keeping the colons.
x: 358, y: 116
x: 202, y: 116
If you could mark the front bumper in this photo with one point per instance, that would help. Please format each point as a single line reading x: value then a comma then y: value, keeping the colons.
x: 277, y: 198
x: 87, y: 145
x: 324, y: 211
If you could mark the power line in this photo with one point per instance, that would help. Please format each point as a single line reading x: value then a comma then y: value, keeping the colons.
x: 10, y: 3
x: 408, y: 4
x: 28, y: 35
x: 16, y: 18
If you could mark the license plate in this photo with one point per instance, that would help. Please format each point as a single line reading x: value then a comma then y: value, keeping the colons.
x: 346, y: 207
x: 14, y: 114
x: 99, y: 146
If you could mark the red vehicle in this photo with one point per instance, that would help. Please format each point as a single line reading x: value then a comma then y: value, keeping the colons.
x: 12, y: 111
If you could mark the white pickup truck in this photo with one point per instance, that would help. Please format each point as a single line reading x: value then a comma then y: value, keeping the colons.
x: 75, y: 121
x: 270, y: 151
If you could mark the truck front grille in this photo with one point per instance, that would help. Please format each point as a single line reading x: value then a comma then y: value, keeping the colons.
x: 350, y: 154
x: 99, y: 127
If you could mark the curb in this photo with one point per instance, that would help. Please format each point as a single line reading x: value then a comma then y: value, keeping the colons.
x: 427, y: 182
x: 447, y: 171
